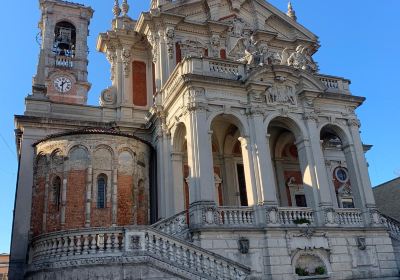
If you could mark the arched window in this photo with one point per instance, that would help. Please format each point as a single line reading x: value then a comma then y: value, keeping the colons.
x: 101, y: 191
x: 57, y: 192
x: 64, y: 39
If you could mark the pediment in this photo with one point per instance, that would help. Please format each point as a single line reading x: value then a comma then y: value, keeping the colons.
x: 256, y: 15
x: 281, y: 85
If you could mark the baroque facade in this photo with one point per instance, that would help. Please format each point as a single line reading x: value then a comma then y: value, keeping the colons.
x: 218, y: 152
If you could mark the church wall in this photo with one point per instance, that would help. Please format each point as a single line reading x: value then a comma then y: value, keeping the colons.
x: 123, y: 162
x: 277, y: 252
x: 75, y: 206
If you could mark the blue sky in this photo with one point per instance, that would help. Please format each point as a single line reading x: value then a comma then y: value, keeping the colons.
x: 360, y: 41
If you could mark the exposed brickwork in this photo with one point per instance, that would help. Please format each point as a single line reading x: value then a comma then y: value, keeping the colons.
x: 75, y: 209
x: 178, y: 53
x: 125, y: 200
x: 53, y: 222
x: 139, y: 83
x: 38, y: 206
x: 222, y: 53
x: 143, y: 205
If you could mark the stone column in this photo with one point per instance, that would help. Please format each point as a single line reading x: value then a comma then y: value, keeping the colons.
x: 167, y: 165
x: 161, y: 185
x: 251, y: 186
x: 201, y: 176
x: 263, y: 159
x: 307, y: 166
x: 89, y: 187
x: 365, y: 182
x: 177, y: 181
x: 321, y: 176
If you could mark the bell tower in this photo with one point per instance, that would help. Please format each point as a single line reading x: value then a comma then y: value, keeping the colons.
x: 62, y: 69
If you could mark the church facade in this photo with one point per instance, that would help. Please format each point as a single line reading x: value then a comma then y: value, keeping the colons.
x: 218, y: 152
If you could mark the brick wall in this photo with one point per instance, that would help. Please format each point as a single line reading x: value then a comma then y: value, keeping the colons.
x: 38, y: 206
x: 75, y: 208
x: 139, y: 83
x: 125, y: 200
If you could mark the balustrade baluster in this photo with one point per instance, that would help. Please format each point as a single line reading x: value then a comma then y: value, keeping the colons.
x: 108, y: 243
x: 93, y: 244
x: 71, y: 247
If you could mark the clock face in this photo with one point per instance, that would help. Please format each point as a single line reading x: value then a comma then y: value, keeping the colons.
x: 62, y: 84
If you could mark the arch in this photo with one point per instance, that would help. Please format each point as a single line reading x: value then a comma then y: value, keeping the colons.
x: 125, y: 162
x: 289, y: 122
x: 340, y: 132
x: 282, y: 141
x: 233, y: 117
x: 78, y: 157
x: 101, y: 190
x: 179, y: 137
x: 64, y: 38
x: 319, y: 254
x: 103, y: 156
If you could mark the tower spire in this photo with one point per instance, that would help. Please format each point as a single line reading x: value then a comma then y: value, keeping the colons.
x: 291, y: 12
x: 125, y: 7
x: 116, y: 9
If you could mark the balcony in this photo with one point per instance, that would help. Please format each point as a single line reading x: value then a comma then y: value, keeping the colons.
x: 335, y: 84
x: 235, y: 71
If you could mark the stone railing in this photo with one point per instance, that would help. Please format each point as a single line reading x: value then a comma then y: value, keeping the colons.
x: 77, y: 246
x: 64, y: 61
x: 351, y: 217
x: 193, y: 258
x: 176, y: 225
x: 77, y: 243
x: 391, y: 224
x: 290, y: 215
x: 236, y: 216
x: 335, y: 84
x: 210, y: 67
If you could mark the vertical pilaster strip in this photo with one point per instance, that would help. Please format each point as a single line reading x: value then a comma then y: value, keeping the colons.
x: 63, y: 198
x: 89, y: 187
x: 114, y: 198
x: 46, y: 202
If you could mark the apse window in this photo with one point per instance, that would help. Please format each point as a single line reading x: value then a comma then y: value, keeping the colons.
x: 101, y: 191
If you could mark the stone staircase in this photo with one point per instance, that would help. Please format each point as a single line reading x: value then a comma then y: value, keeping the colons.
x: 133, y: 245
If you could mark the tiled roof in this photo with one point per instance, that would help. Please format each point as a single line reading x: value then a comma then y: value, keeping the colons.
x: 92, y: 130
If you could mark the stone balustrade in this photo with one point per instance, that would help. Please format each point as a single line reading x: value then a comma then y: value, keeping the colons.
x: 176, y: 225
x: 135, y: 242
x: 236, y: 216
x: 293, y: 215
x: 76, y: 243
x: 64, y: 62
x: 348, y: 217
x: 193, y: 258
x: 335, y: 84
x: 391, y: 224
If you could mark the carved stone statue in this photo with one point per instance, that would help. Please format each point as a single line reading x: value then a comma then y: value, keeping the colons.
x: 300, y: 59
